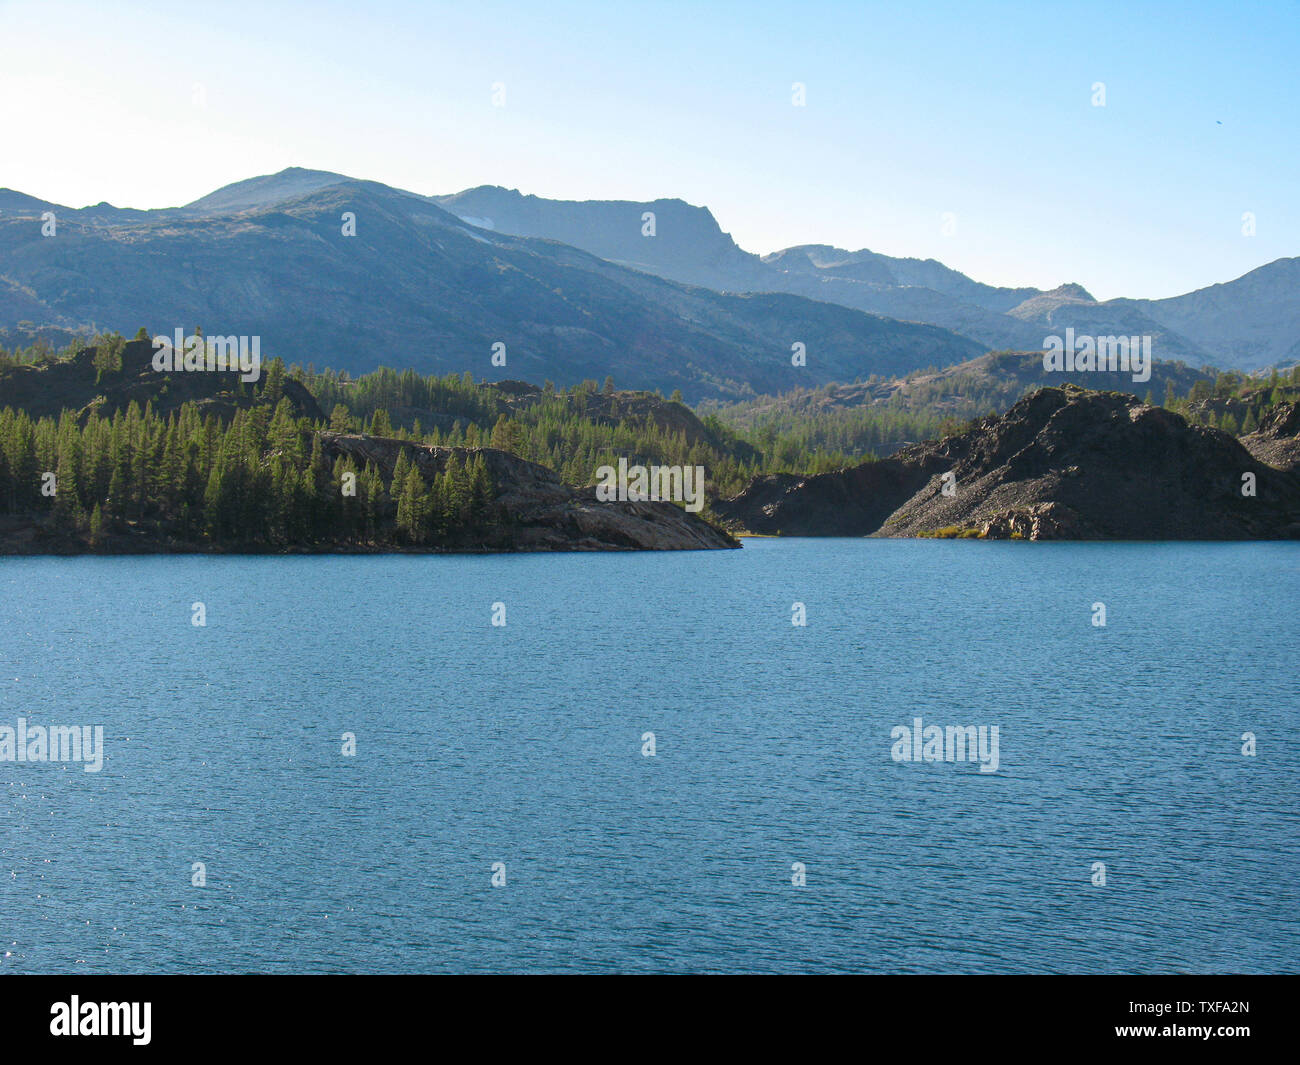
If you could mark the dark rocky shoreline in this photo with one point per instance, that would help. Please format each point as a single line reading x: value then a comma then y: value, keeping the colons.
x: 1062, y: 464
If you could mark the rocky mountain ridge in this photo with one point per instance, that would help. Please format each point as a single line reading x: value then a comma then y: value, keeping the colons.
x: 412, y: 285
x: 1247, y: 323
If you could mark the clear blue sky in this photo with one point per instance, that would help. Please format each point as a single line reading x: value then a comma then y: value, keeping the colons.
x: 913, y: 110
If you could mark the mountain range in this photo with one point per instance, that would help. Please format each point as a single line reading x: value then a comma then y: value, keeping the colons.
x: 416, y: 287
x: 572, y: 290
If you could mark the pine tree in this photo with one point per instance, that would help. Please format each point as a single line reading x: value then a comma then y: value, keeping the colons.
x: 108, y: 356
x: 410, y: 507
x: 480, y: 491
x: 273, y: 387
x: 67, y: 503
x: 376, y: 500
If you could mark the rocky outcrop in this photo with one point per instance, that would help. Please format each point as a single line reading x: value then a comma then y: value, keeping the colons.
x: 1063, y: 463
x: 851, y: 502
x: 539, y: 512
x: 1277, y: 441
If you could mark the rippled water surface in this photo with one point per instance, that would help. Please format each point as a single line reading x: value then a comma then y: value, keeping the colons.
x: 523, y: 745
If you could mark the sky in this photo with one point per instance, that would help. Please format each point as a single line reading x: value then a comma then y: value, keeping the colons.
x: 968, y: 133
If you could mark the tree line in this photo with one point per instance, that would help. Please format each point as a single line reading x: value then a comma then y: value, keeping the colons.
x: 260, y: 478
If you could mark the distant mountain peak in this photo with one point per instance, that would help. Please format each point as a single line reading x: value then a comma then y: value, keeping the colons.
x: 668, y: 237
x: 1071, y: 290
x: 1043, y: 306
x: 266, y: 189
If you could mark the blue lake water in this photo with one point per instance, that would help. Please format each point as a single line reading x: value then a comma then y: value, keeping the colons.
x: 523, y: 745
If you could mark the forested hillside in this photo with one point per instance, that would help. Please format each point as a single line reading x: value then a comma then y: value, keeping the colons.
x: 106, y: 450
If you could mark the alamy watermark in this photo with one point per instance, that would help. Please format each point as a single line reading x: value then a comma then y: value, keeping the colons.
x: 182, y: 354
x: 677, y: 484
x: 55, y: 743
x: 79, y: 1018
x: 1098, y: 354
x: 955, y: 743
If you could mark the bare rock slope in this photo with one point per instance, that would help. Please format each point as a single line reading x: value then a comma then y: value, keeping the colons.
x: 1063, y: 463
x: 1277, y: 441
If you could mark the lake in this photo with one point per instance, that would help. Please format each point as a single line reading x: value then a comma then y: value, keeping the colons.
x: 519, y: 753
